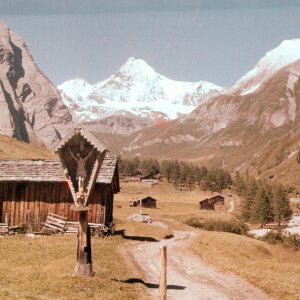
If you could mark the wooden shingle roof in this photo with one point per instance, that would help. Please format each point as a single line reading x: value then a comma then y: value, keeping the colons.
x: 48, y: 170
x: 85, y: 134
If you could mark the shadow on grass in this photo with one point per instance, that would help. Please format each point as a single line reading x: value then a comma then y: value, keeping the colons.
x: 140, y: 238
x: 150, y: 285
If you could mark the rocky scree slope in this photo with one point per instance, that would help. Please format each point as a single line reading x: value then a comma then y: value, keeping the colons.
x: 31, y: 107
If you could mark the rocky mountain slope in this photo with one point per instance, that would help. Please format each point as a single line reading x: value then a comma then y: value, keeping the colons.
x: 136, y: 93
x: 247, y: 128
x: 31, y: 107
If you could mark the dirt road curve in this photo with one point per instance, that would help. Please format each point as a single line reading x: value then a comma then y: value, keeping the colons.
x: 188, y: 276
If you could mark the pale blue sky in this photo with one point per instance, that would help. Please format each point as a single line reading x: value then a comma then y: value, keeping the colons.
x: 191, y: 40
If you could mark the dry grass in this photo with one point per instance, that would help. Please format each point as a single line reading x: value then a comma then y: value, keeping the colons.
x: 13, y: 149
x: 273, y: 268
x: 42, y: 268
x: 172, y: 204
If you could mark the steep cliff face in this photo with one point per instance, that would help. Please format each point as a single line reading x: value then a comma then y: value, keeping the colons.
x: 31, y: 107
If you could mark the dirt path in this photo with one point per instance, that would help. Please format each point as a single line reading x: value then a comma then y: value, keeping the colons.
x: 188, y: 276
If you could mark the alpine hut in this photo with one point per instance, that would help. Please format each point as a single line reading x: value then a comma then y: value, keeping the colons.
x: 209, y: 204
x: 41, y: 186
x: 148, y: 202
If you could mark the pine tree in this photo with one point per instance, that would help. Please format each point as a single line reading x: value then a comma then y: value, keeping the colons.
x: 262, y: 210
x: 175, y: 172
x: 239, y: 184
x: 190, y: 181
x: 249, y: 198
x: 136, y: 163
x: 281, y: 205
x: 166, y: 168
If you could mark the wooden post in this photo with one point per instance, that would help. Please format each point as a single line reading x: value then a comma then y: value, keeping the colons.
x: 140, y: 206
x: 29, y: 221
x: 163, y: 273
x: 84, y: 253
x: 6, y: 219
x: 38, y: 217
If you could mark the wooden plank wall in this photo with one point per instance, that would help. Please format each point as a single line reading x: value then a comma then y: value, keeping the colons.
x: 55, y: 197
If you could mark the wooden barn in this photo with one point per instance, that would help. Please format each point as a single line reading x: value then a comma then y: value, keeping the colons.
x: 41, y: 187
x: 218, y: 199
x: 148, y: 202
x: 209, y: 204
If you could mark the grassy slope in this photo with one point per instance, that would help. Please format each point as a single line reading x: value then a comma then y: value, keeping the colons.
x: 287, y: 173
x: 272, y: 268
x: 42, y: 268
x: 11, y: 148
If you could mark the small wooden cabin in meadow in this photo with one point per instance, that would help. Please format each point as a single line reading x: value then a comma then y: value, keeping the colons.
x: 209, y: 204
x: 150, y: 178
x: 136, y: 176
x: 41, y: 187
x: 218, y: 199
x: 148, y: 202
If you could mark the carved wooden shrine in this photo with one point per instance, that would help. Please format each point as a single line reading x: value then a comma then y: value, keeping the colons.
x: 81, y: 155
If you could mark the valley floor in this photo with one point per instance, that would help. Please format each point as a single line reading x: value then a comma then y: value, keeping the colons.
x: 201, y: 264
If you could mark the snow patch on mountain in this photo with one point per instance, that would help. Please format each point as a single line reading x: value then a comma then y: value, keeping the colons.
x: 286, y: 53
x: 138, y: 89
x: 181, y: 138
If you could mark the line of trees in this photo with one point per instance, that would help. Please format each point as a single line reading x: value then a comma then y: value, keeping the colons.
x: 183, y: 175
x: 262, y: 202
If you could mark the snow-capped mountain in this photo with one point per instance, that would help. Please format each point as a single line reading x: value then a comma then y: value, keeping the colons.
x: 136, y: 89
x: 286, y: 53
x: 252, y: 128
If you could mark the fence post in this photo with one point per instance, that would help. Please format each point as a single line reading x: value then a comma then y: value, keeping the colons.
x: 6, y: 219
x: 29, y: 221
x: 163, y: 273
x: 38, y: 217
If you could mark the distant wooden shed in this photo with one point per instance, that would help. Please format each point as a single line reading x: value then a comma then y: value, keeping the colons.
x: 148, y: 202
x: 41, y: 187
x: 209, y: 204
x: 218, y: 199
x: 150, y: 178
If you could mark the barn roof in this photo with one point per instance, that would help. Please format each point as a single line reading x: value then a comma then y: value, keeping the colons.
x: 206, y: 200
x: 149, y: 198
x: 85, y: 134
x: 48, y: 170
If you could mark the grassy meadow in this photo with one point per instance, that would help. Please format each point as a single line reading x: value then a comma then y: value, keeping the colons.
x: 11, y: 148
x: 42, y: 268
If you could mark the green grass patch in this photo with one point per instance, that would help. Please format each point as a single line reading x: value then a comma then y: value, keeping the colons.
x: 233, y: 225
x: 278, y: 237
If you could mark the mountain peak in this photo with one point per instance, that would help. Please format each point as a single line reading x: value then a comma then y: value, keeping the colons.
x: 286, y: 53
x: 136, y: 66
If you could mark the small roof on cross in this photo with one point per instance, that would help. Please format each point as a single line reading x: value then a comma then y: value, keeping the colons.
x: 85, y: 134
